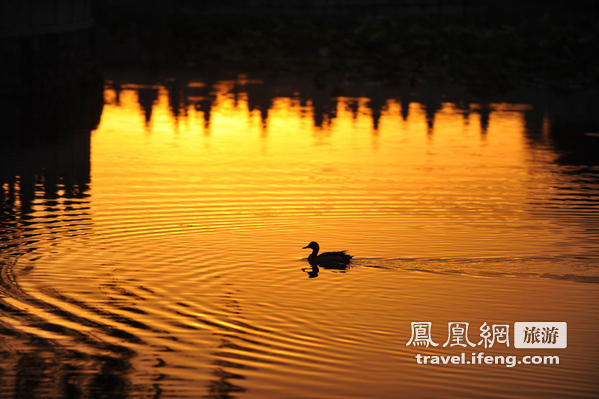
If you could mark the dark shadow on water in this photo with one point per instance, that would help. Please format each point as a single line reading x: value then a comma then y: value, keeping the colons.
x: 45, y: 166
x: 312, y: 271
x: 51, y: 98
x: 227, y: 368
x: 45, y: 157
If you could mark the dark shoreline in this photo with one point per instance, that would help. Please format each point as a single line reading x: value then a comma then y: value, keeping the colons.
x: 488, y: 55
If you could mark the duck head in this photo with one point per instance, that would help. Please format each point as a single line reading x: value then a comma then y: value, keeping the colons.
x: 313, y: 245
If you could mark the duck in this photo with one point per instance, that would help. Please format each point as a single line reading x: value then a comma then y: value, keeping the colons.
x: 328, y: 260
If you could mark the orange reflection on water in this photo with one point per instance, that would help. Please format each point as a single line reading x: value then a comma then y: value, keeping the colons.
x: 181, y: 265
x: 387, y: 177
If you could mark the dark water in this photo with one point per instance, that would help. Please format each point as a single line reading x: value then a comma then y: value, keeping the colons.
x: 160, y: 254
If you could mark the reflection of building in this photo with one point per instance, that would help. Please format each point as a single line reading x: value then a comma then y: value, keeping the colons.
x: 50, y: 101
x: 45, y: 151
x: 321, y: 101
x: 50, y: 97
x: 570, y: 119
x: 147, y: 97
x: 574, y: 129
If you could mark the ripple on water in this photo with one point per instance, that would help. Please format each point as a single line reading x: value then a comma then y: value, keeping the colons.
x: 177, y: 271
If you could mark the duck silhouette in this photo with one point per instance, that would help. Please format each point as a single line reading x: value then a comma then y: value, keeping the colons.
x: 327, y: 260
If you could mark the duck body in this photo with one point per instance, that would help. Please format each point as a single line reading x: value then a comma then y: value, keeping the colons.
x: 330, y: 260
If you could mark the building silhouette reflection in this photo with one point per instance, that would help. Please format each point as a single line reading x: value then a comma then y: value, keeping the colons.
x: 147, y: 99
x: 259, y: 98
x: 321, y: 101
x: 45, y: 147
x: 45, y: 154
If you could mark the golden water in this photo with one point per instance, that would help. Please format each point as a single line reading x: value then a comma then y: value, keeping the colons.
x: 173, y: 266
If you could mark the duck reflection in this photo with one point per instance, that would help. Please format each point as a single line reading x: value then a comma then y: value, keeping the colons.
x: 312, y: 271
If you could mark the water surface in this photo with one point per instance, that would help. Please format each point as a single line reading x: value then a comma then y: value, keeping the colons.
x: 161, y: 257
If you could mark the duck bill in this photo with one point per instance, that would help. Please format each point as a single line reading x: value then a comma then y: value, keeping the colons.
x: 307, y: 246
